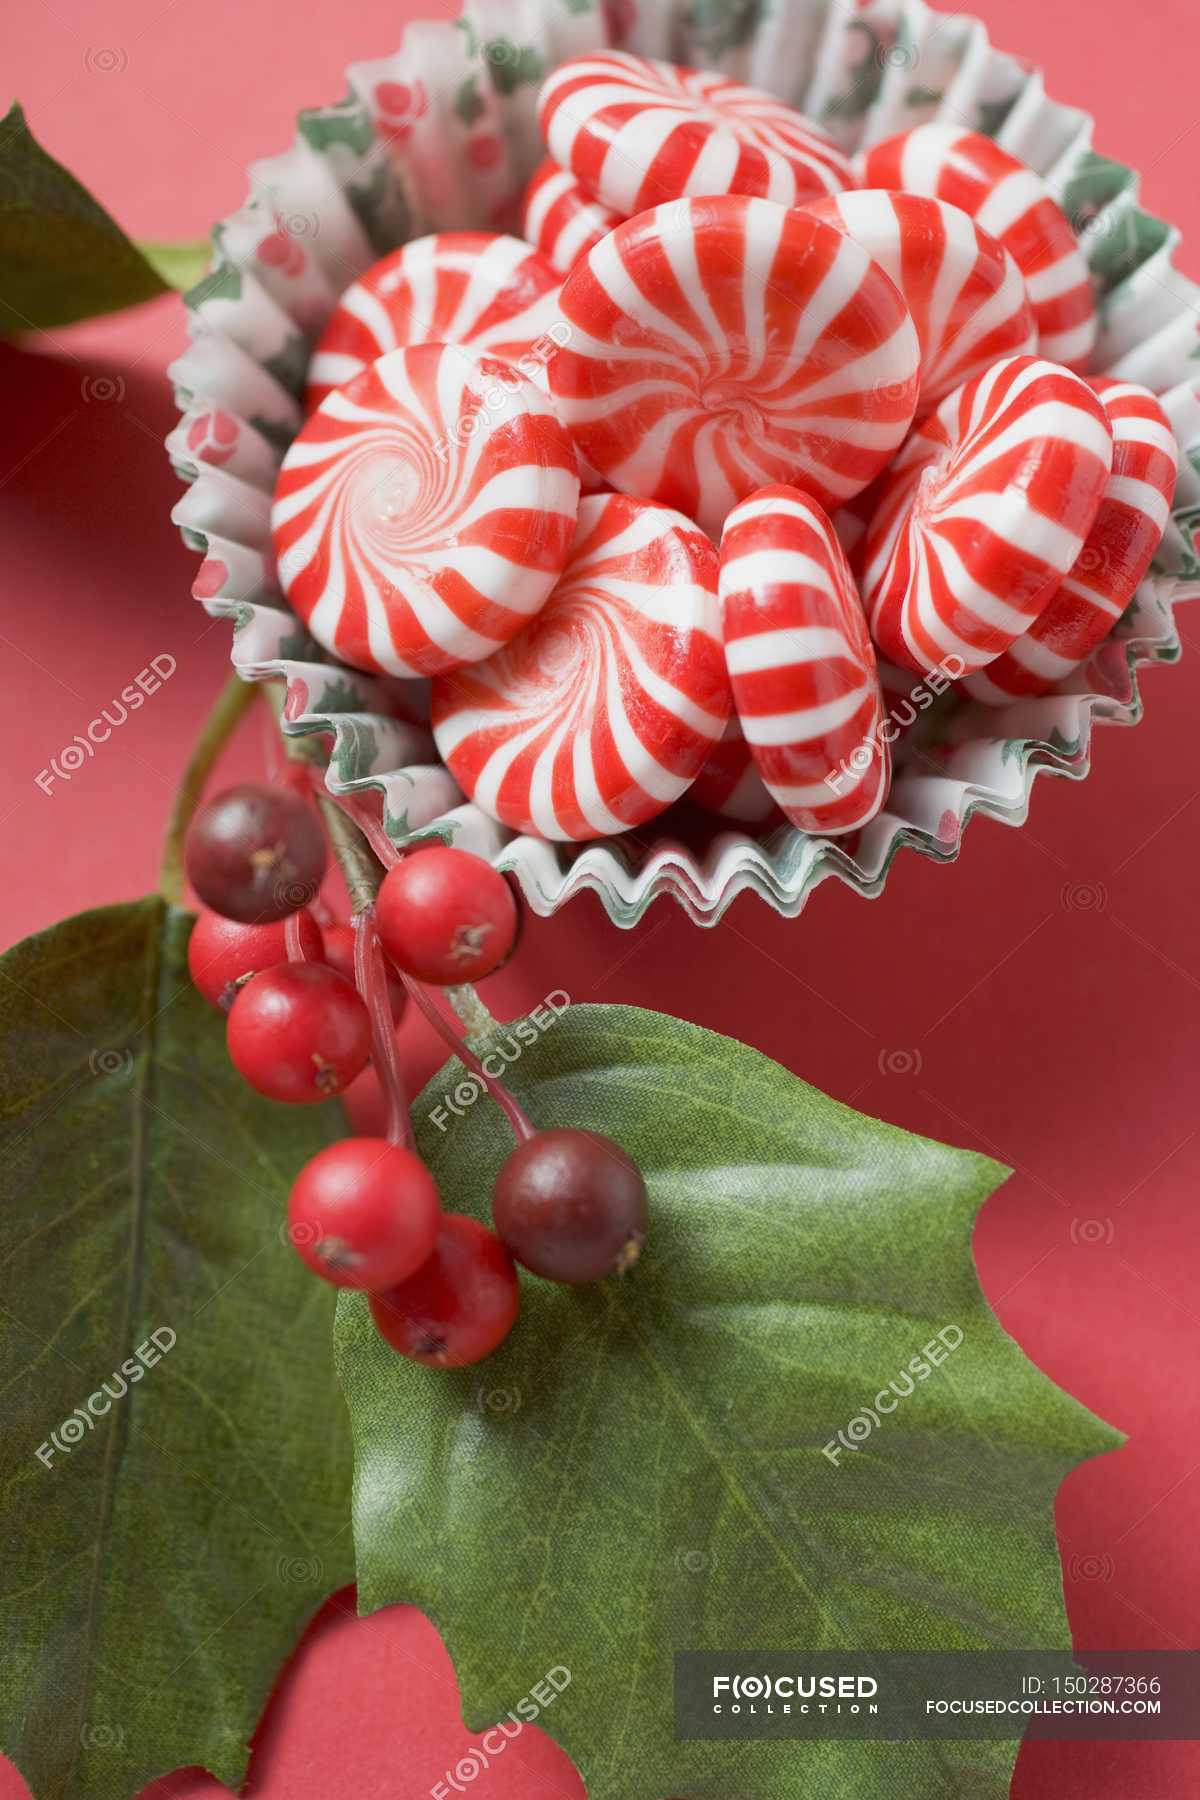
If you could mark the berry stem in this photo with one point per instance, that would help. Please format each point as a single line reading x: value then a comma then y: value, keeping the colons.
x: 477, y: 1021
x: 293, y: 937
x: 522, y: 1126
x: 371, y: 980
x: 234, y: 700
x: 360, y: 870
x: 358, y: 809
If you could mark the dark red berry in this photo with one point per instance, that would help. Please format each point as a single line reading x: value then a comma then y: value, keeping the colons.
x: 256, y: 853
x: 364, y: 1213
x: 222, y: 954
x: 446, y: 916
x: 298, y: 1032
x: 339, y: 954
x: 571, y: 1205
x: 459, y: 1305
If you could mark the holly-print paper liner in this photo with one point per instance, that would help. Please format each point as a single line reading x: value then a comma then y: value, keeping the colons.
x: 443, y: 135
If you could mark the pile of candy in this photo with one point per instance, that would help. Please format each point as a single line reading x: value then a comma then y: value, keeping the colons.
x: 310, y: 1002
x: 694, y: 489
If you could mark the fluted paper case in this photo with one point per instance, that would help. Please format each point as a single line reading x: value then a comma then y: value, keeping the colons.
x: 443, y: 136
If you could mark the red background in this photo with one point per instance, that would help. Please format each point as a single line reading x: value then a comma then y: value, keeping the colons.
x: 1040, y: 997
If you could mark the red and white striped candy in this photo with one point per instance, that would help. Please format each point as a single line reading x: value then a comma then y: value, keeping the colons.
x: 425, y: 511
x: 639, y: 132
x: 965, y: 293
x: 602, y: 711
x: 801, y: 664
x: 982, y: 514
x: 1014, y: 205
x: 1127, y: 531
x: 559, y: 218
x: 730, y: 785
x: 718, y: 344
x: 456, y: 287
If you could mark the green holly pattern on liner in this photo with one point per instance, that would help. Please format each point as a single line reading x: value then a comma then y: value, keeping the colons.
x: 1094, y: 183
x: 468, y: 103
x: 347, y: 123
x: 864, y: 73
x: 513, y: 66
x: 724, y: 25
x: 357, y: 750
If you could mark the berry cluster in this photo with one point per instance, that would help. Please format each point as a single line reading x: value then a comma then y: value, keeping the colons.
x: 310, y: 1003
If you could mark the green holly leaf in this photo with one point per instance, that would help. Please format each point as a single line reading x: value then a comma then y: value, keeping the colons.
x: 174, y: 1498
x: 63, y: 257
x: 642, y: 1467
x: 179, y: 266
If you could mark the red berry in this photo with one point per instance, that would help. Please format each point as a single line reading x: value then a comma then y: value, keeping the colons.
x: 364, y: 1213
x: 571, y: 1205
x: 459, y: 1305
x: 446, y: 916
x: 339, y: 954
x: 256, y: 853
x: 222, y: 955
x: 298, y: 1032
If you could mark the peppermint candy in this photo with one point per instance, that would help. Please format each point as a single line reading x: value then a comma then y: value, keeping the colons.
x: 559, y: 218
x: 1128, y: 529
x: 455, y: 287
x: 801, y: 664
x: 638, y: 132
x: 965, y: 293
x: 425, y: 511
x: 716, y: 344
x: 982, y: 514
x: 603, y: 710
x: 730, y: 785
x: 1014, y: 205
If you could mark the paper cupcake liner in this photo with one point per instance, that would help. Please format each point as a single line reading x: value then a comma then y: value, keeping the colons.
x: 443, y: 135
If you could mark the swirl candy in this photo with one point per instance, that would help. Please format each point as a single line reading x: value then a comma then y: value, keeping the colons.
x: 965, y: 293
x: 717, y: 344
x: 1011, y: 203
x: 599, y: 714
x: 982, y: 514
x: 801, y: 664
x: 456, y: 287
x: 559, y: 218
x: 1127, y: 531
x: 638, y: 132
x: 425, y: 511
x: 729, y: 784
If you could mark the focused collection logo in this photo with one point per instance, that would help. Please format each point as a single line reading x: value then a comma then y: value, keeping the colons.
x: 794, y: 1693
